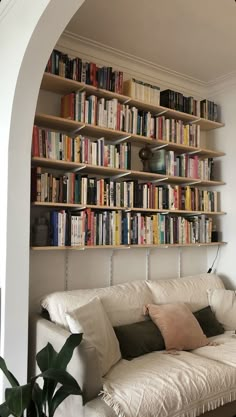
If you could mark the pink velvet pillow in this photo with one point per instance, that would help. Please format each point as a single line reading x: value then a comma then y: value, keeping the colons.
x: 178, y: 326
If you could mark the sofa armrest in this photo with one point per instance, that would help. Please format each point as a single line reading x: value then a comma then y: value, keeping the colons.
x: 83, y: 366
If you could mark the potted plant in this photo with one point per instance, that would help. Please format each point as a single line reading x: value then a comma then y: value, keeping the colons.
x: 57, y: 385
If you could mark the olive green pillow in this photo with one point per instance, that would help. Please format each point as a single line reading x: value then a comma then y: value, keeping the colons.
x: 137, y: 339
x: 208, y: 322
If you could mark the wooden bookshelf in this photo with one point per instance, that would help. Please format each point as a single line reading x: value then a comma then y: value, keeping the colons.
x: 133, y: 209
x: 73, y: 127
x: 60, y: 85
x: 63, y: 86
x: 162, y: 246
x: 129, y: 174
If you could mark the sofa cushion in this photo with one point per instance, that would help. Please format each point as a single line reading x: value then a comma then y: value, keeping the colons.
x: 223, y: 303
x: 91, y: 320
x: 123, y: 303
x: 178, y: 326
x: 139, y: 338
x: 208, y: 322
x: 190, y: 290
x: 163, y: 385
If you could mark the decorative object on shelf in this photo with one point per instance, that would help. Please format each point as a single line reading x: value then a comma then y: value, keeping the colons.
x: 157, y: 162
x: 37, y: 401
x: 40, y: 232
x: 215, y: 234
x: 145, y: 155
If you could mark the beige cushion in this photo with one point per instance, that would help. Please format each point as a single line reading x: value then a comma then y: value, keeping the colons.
x: 223, y: 303
x: 92, y: 321
x: 123, y: 303
x: 178, y: 326
x: 191, y: 290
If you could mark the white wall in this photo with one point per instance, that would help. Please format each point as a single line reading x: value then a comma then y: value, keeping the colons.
x: 25, y: 29
x: 224, y: 139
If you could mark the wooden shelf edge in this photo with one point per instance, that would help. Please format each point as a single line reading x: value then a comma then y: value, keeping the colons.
x: 132, y: 209
x: 161, y: 246
x: 72, y: 126
x: 130, y: 173
x: 55, y: 83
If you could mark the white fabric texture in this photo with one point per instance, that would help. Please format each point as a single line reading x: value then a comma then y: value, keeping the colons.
x: 190, y: 290
x: 161, y: 385
x: 123, y: 303
x: 224, y: 351
x: 91, y: 320
x: 223, y: 303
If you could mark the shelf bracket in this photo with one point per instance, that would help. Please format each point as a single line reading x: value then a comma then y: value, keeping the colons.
x: 74, y: 132
x: 123, y: 174
x: 159, y: 180
x: 66, y: 270
x: 77, y: 208
x: 79, y: 168
x: 192, y: 183
x: 161, y: 113
x: 127, y: 101
x: 116, y: 142
x: 180, y: 263
x: 165, y: 212
x: 195, y: 121
x: 157, y: 148
x: 147, y: 264
x: 111, y: 268
x: 193, y: 152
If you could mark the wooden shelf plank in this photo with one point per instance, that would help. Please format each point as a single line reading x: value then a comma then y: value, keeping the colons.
x: 60, y: 85
x: 72, y: 126
x: 162, y: 246
x: 133, y: 209
x: 131, y: 174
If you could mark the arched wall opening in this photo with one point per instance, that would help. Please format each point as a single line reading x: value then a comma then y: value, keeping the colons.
x: 29, y: 30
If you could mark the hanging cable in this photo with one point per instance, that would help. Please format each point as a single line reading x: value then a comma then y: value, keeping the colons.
x: 210, y: 269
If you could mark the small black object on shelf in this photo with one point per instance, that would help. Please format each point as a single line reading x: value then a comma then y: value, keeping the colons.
x: 145, y: 155
x: 40, y: 232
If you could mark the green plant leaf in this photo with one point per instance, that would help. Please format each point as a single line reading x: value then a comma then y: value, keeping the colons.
x: 46, y: 357
x: 37, y: 397
x: 60, y: 376
x: 18, y: 399
x: 61, y: 361
x: 4, y: 410
x: 64, y: 356
x: 58, y: 398
x: 13, y: 381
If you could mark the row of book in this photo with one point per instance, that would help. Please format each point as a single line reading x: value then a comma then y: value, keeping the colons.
x: 142, y: 91
x: 89, y: 228
x: 114, y: 115
x: 167, y: 162
x: 81, y: 149
x: 80, y: 70
x: 104, y: 77
x: 74, y: 188
x: 177, y: 101
x: 176, y: 131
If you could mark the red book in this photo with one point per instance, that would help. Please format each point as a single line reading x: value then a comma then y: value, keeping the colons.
x: 35, y: 141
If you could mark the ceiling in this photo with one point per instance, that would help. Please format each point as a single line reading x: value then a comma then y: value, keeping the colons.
x: 195, y: 38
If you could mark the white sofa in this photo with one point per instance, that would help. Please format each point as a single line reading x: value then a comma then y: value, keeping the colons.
x: 185, y: 385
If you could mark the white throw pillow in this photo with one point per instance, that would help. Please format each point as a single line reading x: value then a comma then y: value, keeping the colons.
x: 92, y: 320
x: 223, y: 304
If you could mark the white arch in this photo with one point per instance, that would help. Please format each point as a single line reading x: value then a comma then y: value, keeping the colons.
x: 28, y: 32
